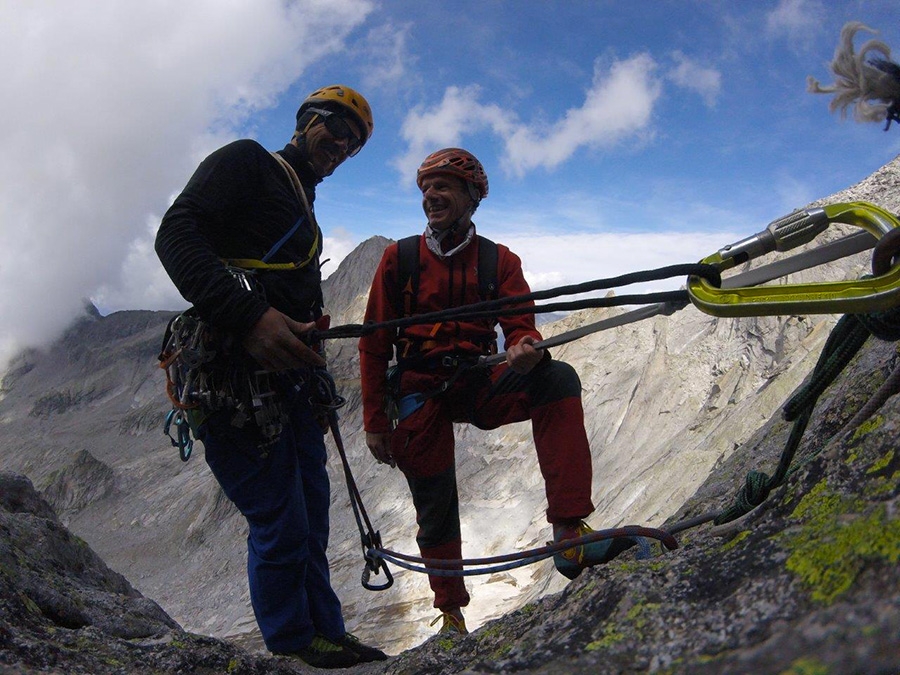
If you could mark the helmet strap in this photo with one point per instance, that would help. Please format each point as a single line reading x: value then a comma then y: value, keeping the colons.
x: 298, y: 140
x: 304, y: 123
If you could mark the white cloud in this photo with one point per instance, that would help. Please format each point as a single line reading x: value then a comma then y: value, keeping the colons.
x: 337, y: 244
x: 796, y: 21
x: 618, y: 105
x: 142, y: 282
x: 107, y: 107
x: 387, y: 57
x: 458, y: 113
x: 705, y: 81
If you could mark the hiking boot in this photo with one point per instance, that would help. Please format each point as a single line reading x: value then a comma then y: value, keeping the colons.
x: 324, y: 653
x: 572, y: 561
x: 364, y: 652
x: 452, y: 624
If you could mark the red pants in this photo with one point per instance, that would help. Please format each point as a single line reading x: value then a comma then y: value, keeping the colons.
x: 422, y: 445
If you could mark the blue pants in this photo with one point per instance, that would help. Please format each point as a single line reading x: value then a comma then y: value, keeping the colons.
x: 284, y: 496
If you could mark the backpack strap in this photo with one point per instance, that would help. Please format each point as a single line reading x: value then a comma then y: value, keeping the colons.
x: 488, y: 288
x: 407, y: 275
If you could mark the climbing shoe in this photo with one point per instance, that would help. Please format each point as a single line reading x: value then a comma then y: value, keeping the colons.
x: 451, y: 624
x: 324, y: 653
x: 570, y: 562
x: 364, y: 652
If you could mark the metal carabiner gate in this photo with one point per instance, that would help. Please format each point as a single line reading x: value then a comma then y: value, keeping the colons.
x: 871, y: 294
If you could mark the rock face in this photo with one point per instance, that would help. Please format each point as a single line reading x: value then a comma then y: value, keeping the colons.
x: 55, y: 575
x: 679, y: 408
x: 62, y: 610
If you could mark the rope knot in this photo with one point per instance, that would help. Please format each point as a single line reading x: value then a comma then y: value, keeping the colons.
x: 754, y: 492
x: 883, y: 325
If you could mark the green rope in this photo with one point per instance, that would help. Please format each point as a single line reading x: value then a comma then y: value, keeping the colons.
x: 759, y: 484
x: 845, y: 340
x: 843, y: 343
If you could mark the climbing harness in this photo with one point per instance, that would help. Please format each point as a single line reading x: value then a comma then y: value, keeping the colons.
x: 206, y: 373
x: 400, y: 407
x: 308, y: 215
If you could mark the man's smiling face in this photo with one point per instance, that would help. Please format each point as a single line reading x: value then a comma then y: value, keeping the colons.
x: 326, y: 152
x: 445, y: 200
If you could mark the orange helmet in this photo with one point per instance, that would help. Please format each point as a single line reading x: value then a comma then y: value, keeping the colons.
x: 346, y: 98
x: 457, y: 162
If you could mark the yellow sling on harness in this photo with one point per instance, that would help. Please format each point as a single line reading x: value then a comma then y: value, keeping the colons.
x: 254, y: 264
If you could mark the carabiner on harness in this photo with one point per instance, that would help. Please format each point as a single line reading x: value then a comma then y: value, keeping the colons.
x: 371, y: 544
x: 854, y: 296
x: 182, y: 438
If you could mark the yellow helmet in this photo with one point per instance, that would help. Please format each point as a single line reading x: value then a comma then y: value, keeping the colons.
x: 346, y: 98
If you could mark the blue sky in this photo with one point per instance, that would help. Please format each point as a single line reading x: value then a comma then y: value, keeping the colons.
x: 617, y: 136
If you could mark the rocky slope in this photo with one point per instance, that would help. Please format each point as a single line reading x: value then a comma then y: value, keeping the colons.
x: 675, y: 404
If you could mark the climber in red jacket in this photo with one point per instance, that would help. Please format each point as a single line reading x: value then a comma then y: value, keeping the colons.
x: 435, y: 385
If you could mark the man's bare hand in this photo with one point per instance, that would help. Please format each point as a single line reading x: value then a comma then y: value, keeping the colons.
x: 522, y: 357
x: 380, y: 447
x: 274, y: 342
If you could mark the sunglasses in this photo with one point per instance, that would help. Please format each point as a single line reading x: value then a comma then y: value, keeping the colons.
x: 337, y: 126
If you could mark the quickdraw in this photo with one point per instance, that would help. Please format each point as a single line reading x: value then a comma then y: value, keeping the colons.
x: 835, y: 250
x: 869, y: 294
x: 182, y: 438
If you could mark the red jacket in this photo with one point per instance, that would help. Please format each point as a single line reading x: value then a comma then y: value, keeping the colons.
x: 443, y: 283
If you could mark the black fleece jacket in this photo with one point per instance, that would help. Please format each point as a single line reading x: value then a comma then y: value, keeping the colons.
x: 238, y: 204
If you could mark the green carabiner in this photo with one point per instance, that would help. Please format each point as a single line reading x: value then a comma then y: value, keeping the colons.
x: 838, y: 297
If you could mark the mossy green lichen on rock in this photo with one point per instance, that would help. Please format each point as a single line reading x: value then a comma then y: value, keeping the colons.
x: 806, y: 667
x: 835, y: 538
x: 737, y: 539
x: 866, y: 427
x: 584, y: 590
x: 610, y: 638
x: 631, y: 626
x: 882, y: 463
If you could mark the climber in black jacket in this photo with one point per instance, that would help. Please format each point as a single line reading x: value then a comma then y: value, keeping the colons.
x: 242, y: 244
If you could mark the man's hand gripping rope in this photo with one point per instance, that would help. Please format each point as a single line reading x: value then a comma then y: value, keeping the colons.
x: 277, y: 342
